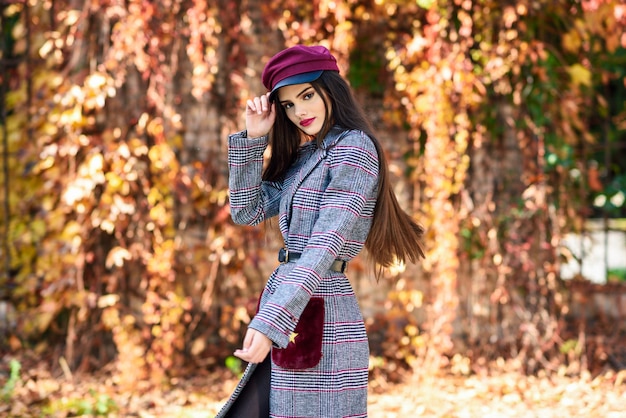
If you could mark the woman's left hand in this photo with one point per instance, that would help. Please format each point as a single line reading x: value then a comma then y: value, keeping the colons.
x: 256, y: 346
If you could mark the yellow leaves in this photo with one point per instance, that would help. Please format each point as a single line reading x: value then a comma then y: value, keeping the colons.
x: 572, y: 42
x: 423, y: 104
x: 38, y: 229
x: 160, y: 215
x: 56, y: 217
x: 39, y: 321
x: 16, y: 96
x: 117, y: 256
x: 72, y: 229
x: 42, y: 321
x: 12, y: 9
x: 154, y: 196
x: 116, y: 183
x: 162, y: 157
x: 176, y: 141
x: 14, y: 125
x: 138, y: 147
x: 416, y: 46
x: 397, y: 268
x: 110, y: 318
x: 161, y: 261
x: 107, y: 226
x: 73, y: 117
x: 68, y: 17
x: 48, y: 129
x: 48, y: 82
x: 106, y: 301
x: 72, y: 236
x: 122, y: 206
x: 579, y: 75
x: 46, y: 48
x: 22, y: 234
x: 19, y: 34
x: 598, y: 30
x: 49, y: 262
x: 425, y: 4
x: 93, y: 167
x: 87, y: 177
x: 410, y: 299
x: 509, y: 16
x: 496, y: 68
x: 155, y: 128
x: 90, y: 174
x: 98, y: 86
x: 466, y: 24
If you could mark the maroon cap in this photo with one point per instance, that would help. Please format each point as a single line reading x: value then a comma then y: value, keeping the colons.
x: 296, y: 65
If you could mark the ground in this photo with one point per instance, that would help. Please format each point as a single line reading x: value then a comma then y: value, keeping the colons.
x: 40, y: 393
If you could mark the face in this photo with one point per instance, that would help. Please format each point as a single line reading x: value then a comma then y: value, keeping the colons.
x: 304, y: 107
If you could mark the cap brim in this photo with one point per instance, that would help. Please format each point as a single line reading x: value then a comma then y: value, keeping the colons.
x: 297, y: 79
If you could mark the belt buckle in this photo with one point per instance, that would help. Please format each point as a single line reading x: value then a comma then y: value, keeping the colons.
x: 283, y: 255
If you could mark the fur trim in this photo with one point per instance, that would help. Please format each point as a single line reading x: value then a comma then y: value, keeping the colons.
x: 305, y: 348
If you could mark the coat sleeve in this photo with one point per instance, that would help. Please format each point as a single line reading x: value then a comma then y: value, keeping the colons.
x: 251, y: 199
x: 349, y: 198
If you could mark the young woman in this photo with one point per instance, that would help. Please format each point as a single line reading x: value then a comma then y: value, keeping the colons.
x: 327, y: 182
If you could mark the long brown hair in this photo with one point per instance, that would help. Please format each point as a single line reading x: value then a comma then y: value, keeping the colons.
x: 394, y: 235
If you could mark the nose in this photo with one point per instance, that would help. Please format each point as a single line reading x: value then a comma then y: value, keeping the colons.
x: 299, y: 111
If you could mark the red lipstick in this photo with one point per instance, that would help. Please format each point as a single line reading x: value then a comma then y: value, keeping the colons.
x: 306, y: 122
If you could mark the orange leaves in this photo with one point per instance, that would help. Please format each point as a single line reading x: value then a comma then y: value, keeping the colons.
x: 161, y: 261
x: 96, y: 183
x: 98, y: 86
x: 108, y: 192
x: 204, y: 29
x: 130, y: 41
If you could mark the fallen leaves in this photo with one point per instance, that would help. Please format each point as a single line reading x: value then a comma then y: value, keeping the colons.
x: 41, y: 392
x: 502, y: 395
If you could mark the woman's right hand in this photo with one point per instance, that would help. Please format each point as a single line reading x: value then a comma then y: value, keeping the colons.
x: 255, y: 348
x: 260, y: 116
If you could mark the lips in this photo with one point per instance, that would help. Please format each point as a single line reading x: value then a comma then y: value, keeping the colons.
x: 306, y: 122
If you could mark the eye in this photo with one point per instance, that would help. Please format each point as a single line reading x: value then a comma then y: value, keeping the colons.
x: 287, y: 106
x: 308, y: 96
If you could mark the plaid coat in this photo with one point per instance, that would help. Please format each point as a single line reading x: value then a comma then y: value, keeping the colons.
x: 325, y: 207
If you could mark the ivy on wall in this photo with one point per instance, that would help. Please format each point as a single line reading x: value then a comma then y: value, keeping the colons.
x: 118, y: 243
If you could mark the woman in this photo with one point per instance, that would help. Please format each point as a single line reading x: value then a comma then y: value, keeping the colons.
x: 327, y: 181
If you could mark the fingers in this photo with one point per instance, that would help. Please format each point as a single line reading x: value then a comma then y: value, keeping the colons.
x: 250, y: 351
x: 259, y: 105
x: 255, y: 348
x: 260, y: 116
x: 247, y: 341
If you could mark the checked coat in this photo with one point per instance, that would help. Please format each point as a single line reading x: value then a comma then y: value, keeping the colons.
x: 325, y: 207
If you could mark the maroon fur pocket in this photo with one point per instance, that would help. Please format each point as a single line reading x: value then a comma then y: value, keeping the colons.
x: 305, y: 346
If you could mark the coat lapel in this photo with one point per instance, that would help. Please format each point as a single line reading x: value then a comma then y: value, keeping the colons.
x: 333, y: 137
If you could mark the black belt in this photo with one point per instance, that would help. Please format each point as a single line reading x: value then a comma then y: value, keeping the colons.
x: 286, y: 256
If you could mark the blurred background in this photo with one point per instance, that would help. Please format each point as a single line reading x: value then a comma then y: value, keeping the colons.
x: 503, y: 121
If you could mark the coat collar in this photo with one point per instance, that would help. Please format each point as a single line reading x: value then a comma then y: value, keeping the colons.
x: 333, y: 137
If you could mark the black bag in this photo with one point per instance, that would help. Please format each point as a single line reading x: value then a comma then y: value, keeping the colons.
x: 251, y: 397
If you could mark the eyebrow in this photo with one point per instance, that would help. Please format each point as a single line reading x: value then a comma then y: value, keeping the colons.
x: 299, y: 94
